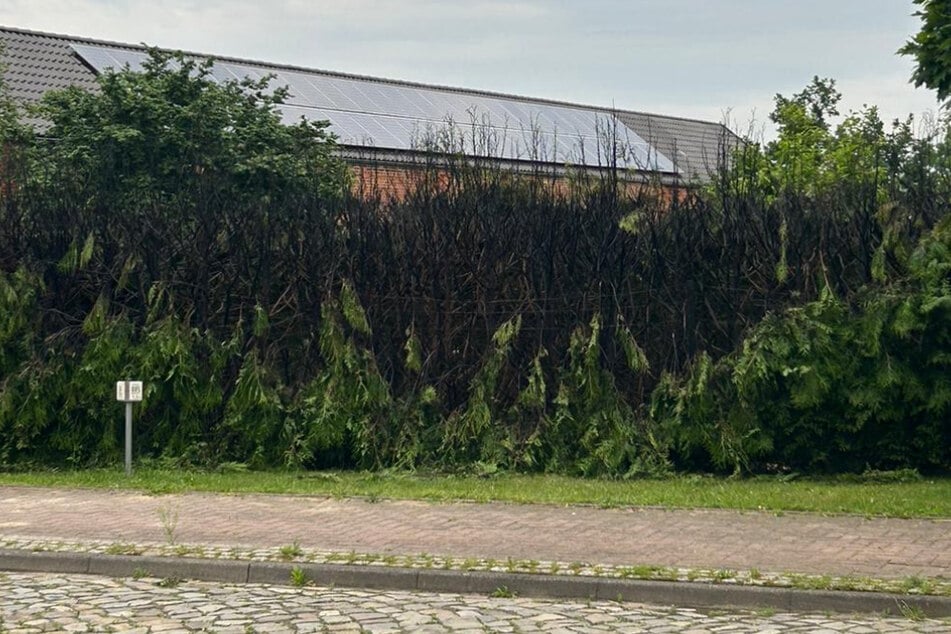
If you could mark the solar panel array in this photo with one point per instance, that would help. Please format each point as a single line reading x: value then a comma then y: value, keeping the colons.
x: 366, y: 112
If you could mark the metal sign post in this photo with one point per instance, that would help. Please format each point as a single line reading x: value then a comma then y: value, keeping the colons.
x: 128, y: 392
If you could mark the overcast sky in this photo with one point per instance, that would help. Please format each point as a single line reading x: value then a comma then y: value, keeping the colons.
x: 694, y: 58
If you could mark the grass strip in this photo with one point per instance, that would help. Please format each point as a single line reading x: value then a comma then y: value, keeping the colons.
x: 914, y: 498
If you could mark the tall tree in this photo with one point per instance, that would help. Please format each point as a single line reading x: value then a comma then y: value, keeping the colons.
x: 931, y: 48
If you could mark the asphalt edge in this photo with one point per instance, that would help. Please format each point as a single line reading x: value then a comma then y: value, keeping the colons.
x: 679, y: 593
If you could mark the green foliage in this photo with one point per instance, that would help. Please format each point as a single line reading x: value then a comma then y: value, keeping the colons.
x: 173, y: 229
x: 930, y: 47
x: 152, y: 202
x: 298, y: 577
x: 19, y: 292
x: 815, y: 156
x: 182, y: 371
x: 348, y: 405
x: 475, y: 434
x: 594, y: 431
x: 169, y: 130
x: 830, y: 386
x: 818, y: 102
x: 254, y: 413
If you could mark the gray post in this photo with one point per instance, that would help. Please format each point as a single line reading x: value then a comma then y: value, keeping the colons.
x: 128, y: 438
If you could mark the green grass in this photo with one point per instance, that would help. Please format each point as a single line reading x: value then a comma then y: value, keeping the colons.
x: 916, y: 498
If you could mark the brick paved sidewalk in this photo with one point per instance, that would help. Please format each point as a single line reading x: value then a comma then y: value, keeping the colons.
x: 793, y: 542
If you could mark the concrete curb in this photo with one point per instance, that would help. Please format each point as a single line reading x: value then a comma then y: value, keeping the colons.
x: 687, y: 594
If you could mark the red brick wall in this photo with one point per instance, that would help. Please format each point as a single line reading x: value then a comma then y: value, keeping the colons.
x: 396, y: 181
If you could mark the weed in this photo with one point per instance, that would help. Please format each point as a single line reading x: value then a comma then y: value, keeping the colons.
x: 184, y: 551
x: 469, y: 564
x: 168, y: 516
x: 755, y: 574
x: 351, y: 557
x: 849, y: 582
x: 123, y: 549
x: 511, y: 565
x: 806, y: 582
x: 140, y: 573
x: 554, y: 568
x: 643, y: 572
x: 822, y: 583
x: 298, y: 577
x: 723, y: 575
x: 917, y: 585
x: 290, y: 551
x: 911, y: 612
x: 668, y: 574
x: 502, y: 592
x: 169, y: 582
x: 575, y: 567
x: 765, y: 612
x: 899, y: 475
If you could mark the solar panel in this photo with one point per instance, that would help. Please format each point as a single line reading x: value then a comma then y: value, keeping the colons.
x: 248, y: 71
x: 223, y: 74
x: 399, y: 116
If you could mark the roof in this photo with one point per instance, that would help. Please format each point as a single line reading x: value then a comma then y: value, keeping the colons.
x: 695, y: 147
x: 37, y: 62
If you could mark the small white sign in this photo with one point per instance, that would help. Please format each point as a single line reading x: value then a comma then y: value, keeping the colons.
x: 129, y: 391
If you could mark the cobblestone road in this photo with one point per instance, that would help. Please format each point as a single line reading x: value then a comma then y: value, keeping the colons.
x: 56, y: 603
